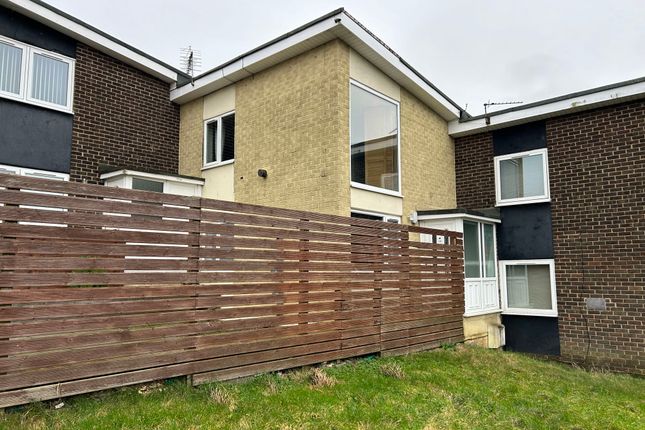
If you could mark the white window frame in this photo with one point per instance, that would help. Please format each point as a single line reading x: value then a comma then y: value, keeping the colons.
x: 28, y: 52
x: 218, y: 142
x: 23, y: 67
x: 70, y: 79
x: 384, y: 217
x: 553, y: 312
x: 367, y: 187
x: 482, y: 269
x: 546, y: 197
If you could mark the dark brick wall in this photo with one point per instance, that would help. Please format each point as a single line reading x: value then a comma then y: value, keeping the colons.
x: 122, y: 117
x: 597, y: 178
x: 475, y: 172
x: 597, y: 174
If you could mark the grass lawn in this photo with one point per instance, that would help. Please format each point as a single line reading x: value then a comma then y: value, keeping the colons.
x: 459, y: 388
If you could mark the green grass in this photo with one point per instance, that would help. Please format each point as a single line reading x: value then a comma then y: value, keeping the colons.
x: 460, y: 388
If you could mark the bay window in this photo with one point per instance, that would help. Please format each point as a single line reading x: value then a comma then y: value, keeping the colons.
x: 35, y: 76
x: 522, y: 178
x: 528, y: 287
x: 374, y: 140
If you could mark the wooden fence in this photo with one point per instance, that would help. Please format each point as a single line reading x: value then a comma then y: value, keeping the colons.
x: 104, y: 287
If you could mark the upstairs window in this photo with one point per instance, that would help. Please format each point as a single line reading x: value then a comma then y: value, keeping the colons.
x: 522, y: 178
x: 35, y: 76
x: 374, y: 140
x: 11, y: 64
x: 219, y: 139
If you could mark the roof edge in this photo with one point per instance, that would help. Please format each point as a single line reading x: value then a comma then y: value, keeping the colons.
x: 266, y: 44
x: 235, y: 69
x: 605, y: 95
x: 169, y: 73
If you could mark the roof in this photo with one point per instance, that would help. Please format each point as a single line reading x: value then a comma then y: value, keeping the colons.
x: 107, y: 171
x: 92, y: 36
x: 606, y: 95
x: 337, y: 24
x: 491, y: 215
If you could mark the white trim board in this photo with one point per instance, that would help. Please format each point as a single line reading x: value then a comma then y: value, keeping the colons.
x: 337, y: 26
x: 460, y: 215
x: 82, y: 33
x: 560, y: 106
x: 127, y: 172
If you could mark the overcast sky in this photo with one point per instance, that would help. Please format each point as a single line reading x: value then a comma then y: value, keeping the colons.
x: 474, y: 51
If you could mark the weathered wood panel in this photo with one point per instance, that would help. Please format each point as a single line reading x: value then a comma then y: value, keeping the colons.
x: 103, y: 287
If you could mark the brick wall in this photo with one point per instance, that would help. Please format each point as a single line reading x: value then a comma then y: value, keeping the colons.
x: 597, y: 178
x: 122, y: 117
x: 427, y: 158
x: 597, y: 174
x: 292, y: 120
x: 474, y: 171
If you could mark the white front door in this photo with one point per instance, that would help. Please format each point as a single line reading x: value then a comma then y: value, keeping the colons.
x: 480, y: 266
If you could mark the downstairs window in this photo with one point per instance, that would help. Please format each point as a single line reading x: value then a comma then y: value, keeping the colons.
x: 528, y: 287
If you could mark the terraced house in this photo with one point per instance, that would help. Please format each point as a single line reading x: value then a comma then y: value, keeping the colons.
x: 78, y: 104
x: 327, y: 118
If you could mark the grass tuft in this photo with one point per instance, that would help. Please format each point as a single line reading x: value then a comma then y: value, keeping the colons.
x: 392, y: 370
x: 223, y: 396
x: 320, y: 379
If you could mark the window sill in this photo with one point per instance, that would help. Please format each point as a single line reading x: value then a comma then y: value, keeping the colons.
x: 480, y: 313
x: 517, y: 202
x: 215, y: 165
x: 19, y: 99
x: 376, y: 189
x: 531, y: 312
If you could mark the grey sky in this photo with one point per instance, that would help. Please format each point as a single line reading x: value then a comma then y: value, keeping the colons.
x: 474, y: 51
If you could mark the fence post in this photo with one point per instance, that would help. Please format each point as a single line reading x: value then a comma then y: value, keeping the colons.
x: 302, y: 247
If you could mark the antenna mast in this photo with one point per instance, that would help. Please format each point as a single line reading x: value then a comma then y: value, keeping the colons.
x: 190, y: 60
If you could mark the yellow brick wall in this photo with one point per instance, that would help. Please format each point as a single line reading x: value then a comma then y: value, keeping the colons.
x: 427, y: 158
x: 191, y: 136
x: 293, y: 121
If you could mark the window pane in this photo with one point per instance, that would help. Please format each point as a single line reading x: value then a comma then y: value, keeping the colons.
x: 366, y: 216
x: 211, y: 141
x: 533, y: 179
x: 529, y: 286
x: 146, y: 185
x: 10, y: 68
x: 471, y: 249
x: 522, y: 177
x: 489, y: 251
x: 374, y: 140
x: 228, y: 137
x: 49, y: 80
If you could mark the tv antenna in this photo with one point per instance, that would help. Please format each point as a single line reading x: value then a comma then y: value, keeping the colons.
x: 190, y: 60
x: 487, y: 105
